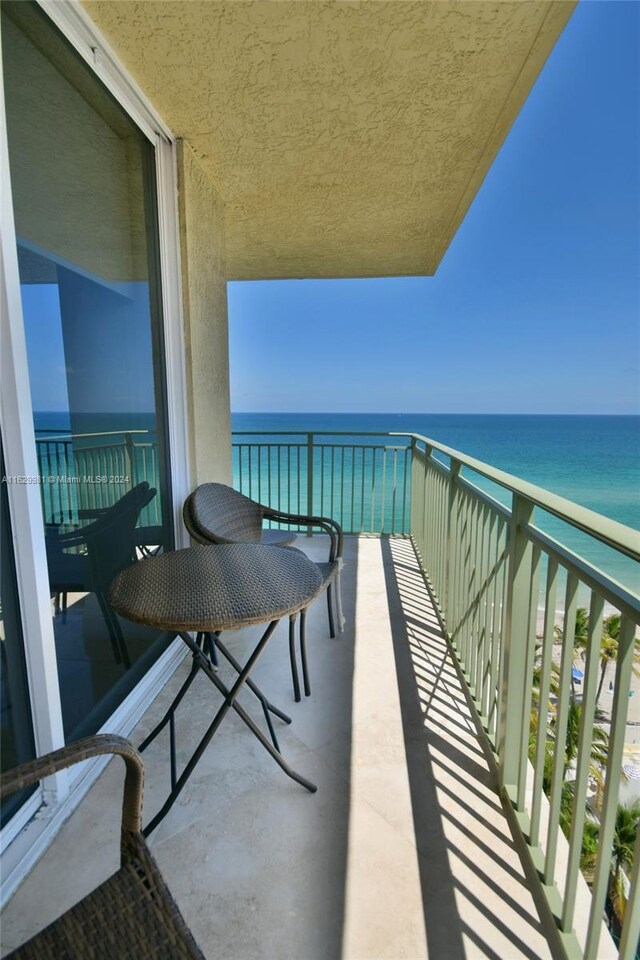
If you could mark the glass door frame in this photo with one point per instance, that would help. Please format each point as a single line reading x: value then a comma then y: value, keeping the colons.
x: 16, y: 422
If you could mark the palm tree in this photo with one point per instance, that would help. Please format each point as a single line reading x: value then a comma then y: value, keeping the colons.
x: 597, y: 759
x: 580, y: 638
x: 622, y: 852
x: 581, y: 634
x: 624, y: 839
x: 599, y: 742
x: 609, y: 649
x: 589, y: 854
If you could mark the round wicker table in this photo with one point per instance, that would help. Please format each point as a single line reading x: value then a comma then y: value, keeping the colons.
x: 208, y: 589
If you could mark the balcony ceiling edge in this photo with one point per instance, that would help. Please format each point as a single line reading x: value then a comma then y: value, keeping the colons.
x: 347, y: 139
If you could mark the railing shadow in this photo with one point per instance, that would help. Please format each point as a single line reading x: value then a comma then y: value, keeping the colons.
x: 475, y: 898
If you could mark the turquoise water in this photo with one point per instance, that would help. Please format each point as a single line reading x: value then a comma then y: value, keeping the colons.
x: 591, y: 460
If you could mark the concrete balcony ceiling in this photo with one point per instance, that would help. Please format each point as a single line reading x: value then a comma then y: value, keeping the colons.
x: 346, y: 139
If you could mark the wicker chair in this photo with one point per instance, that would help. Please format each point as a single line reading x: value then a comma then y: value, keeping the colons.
x: 132, y: 914
x: 215, y: 513
x: 107, y: 546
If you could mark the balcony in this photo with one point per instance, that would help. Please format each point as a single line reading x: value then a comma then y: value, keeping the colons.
x: 441, y: 760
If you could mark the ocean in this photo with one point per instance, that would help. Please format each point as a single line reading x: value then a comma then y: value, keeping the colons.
x: 591, y: 460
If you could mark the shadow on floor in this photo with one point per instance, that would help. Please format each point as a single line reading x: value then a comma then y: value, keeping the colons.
x: 475, y: 899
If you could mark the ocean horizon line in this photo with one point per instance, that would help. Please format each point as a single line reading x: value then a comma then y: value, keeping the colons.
x: 413, y: 413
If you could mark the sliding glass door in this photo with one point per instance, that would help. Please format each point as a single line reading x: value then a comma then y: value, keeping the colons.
x: 83, y: 186
x: 16, y: 729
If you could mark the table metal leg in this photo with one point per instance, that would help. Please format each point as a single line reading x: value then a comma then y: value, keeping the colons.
x: 267, y: 706
x: 193, y: 673
x: 201, y: 661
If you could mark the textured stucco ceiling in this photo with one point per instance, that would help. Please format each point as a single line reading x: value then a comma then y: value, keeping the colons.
x: 346, y: 139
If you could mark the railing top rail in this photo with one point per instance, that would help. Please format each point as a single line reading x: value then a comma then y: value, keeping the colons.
x: 614, y: 534
x: 75, y: 436
x: 315, y: 433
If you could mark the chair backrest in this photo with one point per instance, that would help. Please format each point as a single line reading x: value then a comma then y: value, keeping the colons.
x: 111, y: 539
x: 215, y: 513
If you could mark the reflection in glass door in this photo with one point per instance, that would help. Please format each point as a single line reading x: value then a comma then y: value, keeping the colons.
x: 83, y: 187
x: 16, y: 731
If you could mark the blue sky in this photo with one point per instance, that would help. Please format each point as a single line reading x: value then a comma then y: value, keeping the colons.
x: 535, y: 307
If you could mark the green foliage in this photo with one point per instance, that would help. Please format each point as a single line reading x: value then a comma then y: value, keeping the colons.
x: 622, y: 852
x: 609, y: 649
x: 627, y: 817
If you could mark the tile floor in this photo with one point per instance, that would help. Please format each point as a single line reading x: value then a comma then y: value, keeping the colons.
x: 404, y: 851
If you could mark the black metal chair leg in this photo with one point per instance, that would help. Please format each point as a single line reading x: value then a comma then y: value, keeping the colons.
x: 120, y: 654
x: 332, y: 628
x: 303, y: 653
x: 212, y: 649
x: 292, y: 657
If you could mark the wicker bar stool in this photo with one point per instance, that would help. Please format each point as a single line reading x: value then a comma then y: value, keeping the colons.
x: 132, y: 914
x: 216, y: 513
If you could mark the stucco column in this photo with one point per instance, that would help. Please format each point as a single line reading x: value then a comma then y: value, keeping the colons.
x: 204, y: 291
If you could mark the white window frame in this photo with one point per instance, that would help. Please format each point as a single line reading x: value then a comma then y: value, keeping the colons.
x: 62, y: 792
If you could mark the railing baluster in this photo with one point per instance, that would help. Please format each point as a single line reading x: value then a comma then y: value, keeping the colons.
x: 331, y: 497
x: 544, y: 689
x: 626, y: 650
x: 309, y: 480
x: 404, y: 490
x: 489, y: 578
x: 480, y: 618
x: 383, y: 504
x: 342, y: 485
x: 279, y: 480
x: 530, y: 641
x: 560, y: 735
x: 373, y: 487
x: 584, y: 758
x: 501, y: 615
x: 393, y: 493
x: 515, y: 630
x: 452, y: 543
x: 472, y: 604
x: 466, y: 582
x: 362, y: 491
x: 631, y: 927
x: 353, y: 486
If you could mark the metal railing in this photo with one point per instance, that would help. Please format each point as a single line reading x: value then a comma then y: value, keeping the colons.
x: 361, y: 481
x: 89, y: 471
x: 509, y: 596
x: 498, y: 581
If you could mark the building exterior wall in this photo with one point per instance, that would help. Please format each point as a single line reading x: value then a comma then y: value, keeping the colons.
x: 204, y: 292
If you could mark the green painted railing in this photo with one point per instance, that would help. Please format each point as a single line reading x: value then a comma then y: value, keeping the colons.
x: 361, y: 481
x: 86, y: 471
x: 509, y: 596
x: 498, y: 581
